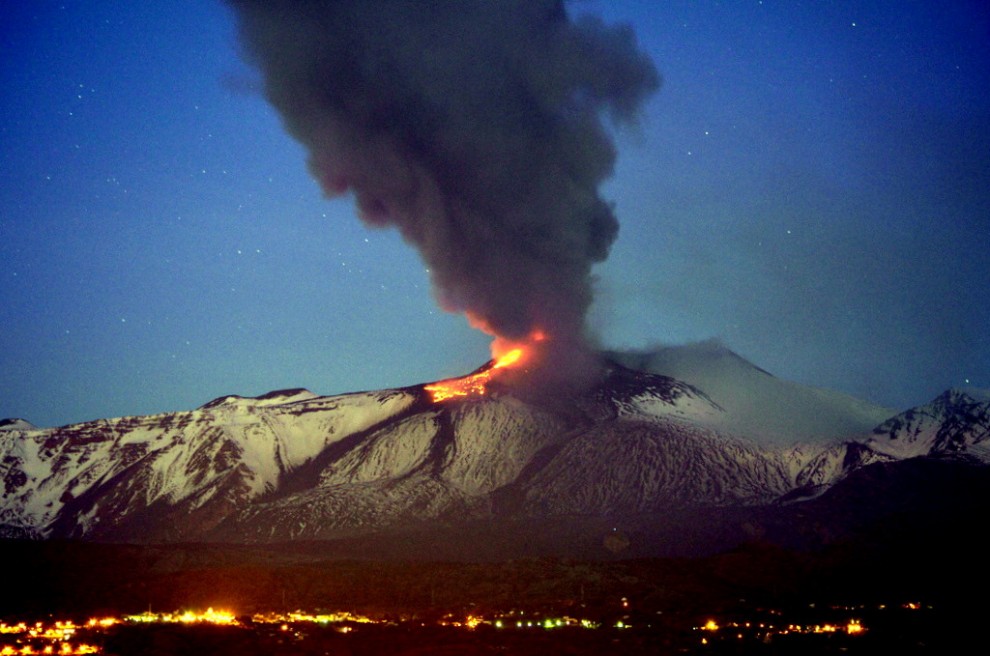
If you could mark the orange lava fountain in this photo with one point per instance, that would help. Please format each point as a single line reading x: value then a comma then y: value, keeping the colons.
x: 505, y: 354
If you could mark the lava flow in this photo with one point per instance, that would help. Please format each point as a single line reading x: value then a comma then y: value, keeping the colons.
x: 475, y: 384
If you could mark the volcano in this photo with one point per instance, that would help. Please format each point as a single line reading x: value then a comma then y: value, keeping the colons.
x: 638, y: 463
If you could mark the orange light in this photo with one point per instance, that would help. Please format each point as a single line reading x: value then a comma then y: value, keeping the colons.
x: 505, y: 353
x: 458, y: 387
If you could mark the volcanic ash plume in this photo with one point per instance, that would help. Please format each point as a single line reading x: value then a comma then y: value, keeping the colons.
x: 474, y: 126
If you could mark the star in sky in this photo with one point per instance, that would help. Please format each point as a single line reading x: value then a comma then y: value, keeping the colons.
x: 810, y: 185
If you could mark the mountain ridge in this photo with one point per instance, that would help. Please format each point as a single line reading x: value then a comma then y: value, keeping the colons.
x: 762, y: 406
x: 291, y: 465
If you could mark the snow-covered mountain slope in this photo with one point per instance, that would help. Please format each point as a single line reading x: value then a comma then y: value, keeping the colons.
x: 15, y: 424
x: 956, y: 421
x: 180, y: 472
x: 632, y: 448
x: 293, y: 465
x: 757, y: 404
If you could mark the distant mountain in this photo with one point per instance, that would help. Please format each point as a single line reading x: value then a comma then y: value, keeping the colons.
x: 758, y: 404
x: 16, y: 424
x: 639, y: 454
x: 957, y: 421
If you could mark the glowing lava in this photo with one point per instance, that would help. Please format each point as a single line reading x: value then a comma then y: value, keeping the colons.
x: 505, y: 354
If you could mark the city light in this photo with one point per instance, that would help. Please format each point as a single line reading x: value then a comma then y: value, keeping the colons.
x: 65, y: 637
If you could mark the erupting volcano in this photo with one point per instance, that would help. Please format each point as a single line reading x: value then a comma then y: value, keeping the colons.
x: 515, y: 356
x: 476, y: 129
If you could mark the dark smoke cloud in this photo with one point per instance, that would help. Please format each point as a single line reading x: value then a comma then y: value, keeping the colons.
x: 474, y: 126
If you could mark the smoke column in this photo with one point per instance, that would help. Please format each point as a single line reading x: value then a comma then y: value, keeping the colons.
x: 476, y: 127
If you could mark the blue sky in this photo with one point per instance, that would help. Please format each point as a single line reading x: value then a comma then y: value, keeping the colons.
x: 810, y: 186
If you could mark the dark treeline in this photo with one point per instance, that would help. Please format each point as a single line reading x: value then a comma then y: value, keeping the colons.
x: 46, y: 577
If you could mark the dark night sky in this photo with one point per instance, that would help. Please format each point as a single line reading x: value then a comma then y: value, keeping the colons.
x: 810, y: 186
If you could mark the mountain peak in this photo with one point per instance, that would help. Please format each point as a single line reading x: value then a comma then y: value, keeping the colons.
x: 15, y: 423
x: 977, y: 394
x: 709, y: 354
x: 275, y: 397
x: 290, y: 465
x: 758, y: 404
x: 954, y: 421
